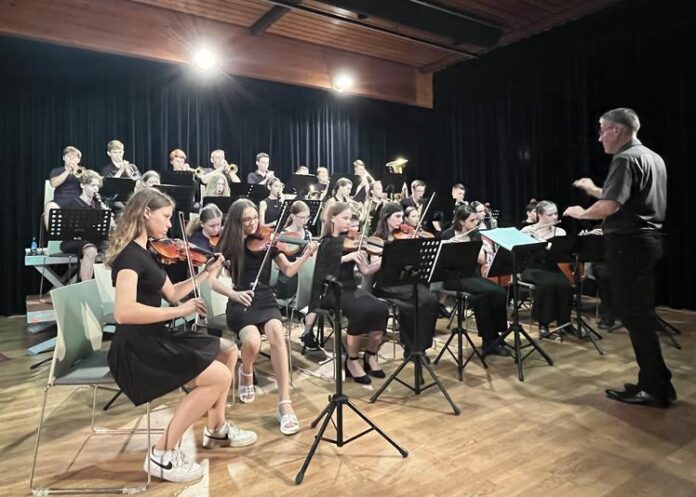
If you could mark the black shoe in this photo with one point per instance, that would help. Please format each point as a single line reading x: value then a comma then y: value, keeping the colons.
x: 671, y: 395
x: 545, y: 333
x: 309, y: 341
x: 605, y: 324
x: 570, y: 330
x: 442, y: 311
x: 363, y: 380
x: 638, y: 397
x: 499, y: 350
x: 377, y: 373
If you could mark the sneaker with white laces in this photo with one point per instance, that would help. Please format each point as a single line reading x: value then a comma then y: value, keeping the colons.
x: 229, y: 435
x: 172, y: 465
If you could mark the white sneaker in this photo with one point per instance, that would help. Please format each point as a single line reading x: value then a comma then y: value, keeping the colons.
x: 173, y: 465
x: 230, y: 435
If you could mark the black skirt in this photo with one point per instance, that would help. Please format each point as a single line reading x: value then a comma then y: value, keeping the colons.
x: 149, y: 361
x: 364, y: 311
x: 263, y: 308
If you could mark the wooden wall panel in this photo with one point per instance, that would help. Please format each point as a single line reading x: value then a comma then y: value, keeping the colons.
x: 135, y: 29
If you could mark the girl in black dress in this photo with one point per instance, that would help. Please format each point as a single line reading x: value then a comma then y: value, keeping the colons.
x: 147, y: 359
x: 270, y: 208
x: 488, y: 299
x: 390, y: 219
x: 250, y: 313
x: 367, y: 315
x: 204, y: 231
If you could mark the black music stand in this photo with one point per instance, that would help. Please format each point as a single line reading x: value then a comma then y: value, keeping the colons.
x: 411, y: 261
x: 300, y: 183
x: 457, y: 261
x: 257, y: 193
x: 579, y: 249
x: 184, y: 196
x: 79, y: 224
x: 179, y: 178
x: 393, y: 182
x: 326, y: 294
x: 117, y: 189
x: 313, y: 205
x: 239, y: 190
x: 223, y: 203
x: 511, y: 258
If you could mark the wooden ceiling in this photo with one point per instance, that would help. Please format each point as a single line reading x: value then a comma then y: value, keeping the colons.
x: 393, y: 46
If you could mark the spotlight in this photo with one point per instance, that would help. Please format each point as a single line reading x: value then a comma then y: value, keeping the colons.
x: 343, y: 82
x: 205, y: 60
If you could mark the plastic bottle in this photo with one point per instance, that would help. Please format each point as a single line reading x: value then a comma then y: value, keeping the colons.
x: 34, y: 246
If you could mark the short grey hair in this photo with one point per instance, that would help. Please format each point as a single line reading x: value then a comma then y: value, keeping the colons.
x: 545, y: 206
x: 625, y: 117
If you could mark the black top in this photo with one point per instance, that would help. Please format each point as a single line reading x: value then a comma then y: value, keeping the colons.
x: 151, y: 276
x: 66, y: 191
x: 637, y: 180
x: 201, y: 241
x: 273, y: 209
x: 408, y: 202
x: 78, y: 203
x: 254, y: 178
x: 252, y: 263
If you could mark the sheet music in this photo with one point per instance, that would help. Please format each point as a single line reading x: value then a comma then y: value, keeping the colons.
x: 508, y: 238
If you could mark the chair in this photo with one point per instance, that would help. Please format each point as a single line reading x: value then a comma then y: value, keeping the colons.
x: 78, y: 360
x: 461, y: 308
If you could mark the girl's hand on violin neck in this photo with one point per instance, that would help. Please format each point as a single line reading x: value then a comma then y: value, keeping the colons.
x: 244, y: 297
x: 214, y: 264
x: 310, y: 249
x: 192, y: 306
x: 358, y: 257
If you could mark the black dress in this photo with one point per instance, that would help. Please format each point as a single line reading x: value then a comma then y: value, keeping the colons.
x: 364, y: 311
x: 150, y: 360
x: 274, y: 207
x: 263, y: 307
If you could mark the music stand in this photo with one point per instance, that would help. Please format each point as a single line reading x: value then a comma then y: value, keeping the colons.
x: 223, y: 203
x: 117, y: 189
x: 79, y: 224
x: 579, y: 249
x: 511, y: 258
x: 257, y: 193
x: 300, y: 183
x: 313, y: 209
x: 183, y: 195
x: 323, y: 286
x: 411, y: 261
x: 457, y: 261
x: 393, y: 182
x: 179, y: 178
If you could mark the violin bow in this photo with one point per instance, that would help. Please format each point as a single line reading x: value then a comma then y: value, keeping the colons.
x: 422, y: 216
x: 184, y: 237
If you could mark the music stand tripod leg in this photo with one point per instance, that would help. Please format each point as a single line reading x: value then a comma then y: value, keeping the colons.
x: 338, y: 399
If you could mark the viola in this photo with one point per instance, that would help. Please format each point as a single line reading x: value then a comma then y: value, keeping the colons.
x: 173, y: 250
x: 265, y: 238
x: 407, y: 231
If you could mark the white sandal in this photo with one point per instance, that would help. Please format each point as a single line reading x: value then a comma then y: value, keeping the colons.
x: 289, y: 424
x: 247, y: 393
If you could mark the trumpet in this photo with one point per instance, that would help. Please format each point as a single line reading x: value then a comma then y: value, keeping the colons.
x: 198, y: 171
x: 231, y: 168
x: 78, y: 171
x: 131, y: 170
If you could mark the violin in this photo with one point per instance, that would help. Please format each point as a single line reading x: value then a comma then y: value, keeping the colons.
x: 406, y: 231
x: 173, y: 250
x: 354, y: 240
x: 266, y: 237
x: 214, y: 240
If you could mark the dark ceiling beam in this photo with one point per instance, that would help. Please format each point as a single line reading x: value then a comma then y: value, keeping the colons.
x: 427, y: 16
x: 353, y: 22
x: 268, y: 19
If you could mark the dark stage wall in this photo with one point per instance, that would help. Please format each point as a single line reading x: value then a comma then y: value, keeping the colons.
x: 520, y: 122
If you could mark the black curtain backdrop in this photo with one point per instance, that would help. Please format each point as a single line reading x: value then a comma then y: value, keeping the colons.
x: 520, y: 122
x: 52, y: 96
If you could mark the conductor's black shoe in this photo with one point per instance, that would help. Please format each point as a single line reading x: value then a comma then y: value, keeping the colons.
x: 638, y: 397
x: 363, y: 380
x: 671, y: 394
x: 442, y: 311
x: 499, y: 350
x: 309, y: 341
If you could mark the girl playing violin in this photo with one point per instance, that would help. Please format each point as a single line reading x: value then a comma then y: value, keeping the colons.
x: 366, y: 314
x: 147, y: 359
x: 411, y: 217
x: 390, y: 220
x: 204, y: 231
x: 487, y: 298
x: 295, y: 226
x: 250, y: 313
x: 553, y: 294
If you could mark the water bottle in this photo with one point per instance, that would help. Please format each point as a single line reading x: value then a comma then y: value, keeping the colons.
x: 34, y: 246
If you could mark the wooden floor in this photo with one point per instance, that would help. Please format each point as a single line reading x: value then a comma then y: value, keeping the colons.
x: 555, y: 434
